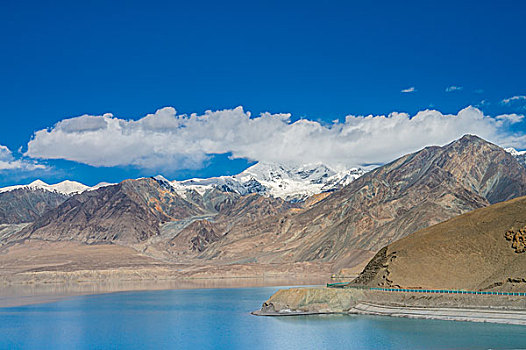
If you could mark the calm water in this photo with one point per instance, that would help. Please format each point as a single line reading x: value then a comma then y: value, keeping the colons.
x: 220, y: 319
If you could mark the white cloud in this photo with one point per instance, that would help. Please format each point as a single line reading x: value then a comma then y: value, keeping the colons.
x: 510, y: 118
x: 8, y: 162
x: 513, y: 98
x: 453, y: 88
x: 167, y: 141
x: 408, y: 90
x: 482, y: 103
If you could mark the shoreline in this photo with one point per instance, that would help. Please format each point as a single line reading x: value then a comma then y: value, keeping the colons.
x: 23, y: 294
x: 480, y: 315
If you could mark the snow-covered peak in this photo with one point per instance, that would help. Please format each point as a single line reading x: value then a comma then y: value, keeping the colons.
x: 161, y: 179
x: 69, y: 187
x: 99, y: 185
x: 514, y: 152
x: 278, y: 180
x: 66, y: 187
x: 273, y: 172
x: 519, y: 155
x: 37, y: 184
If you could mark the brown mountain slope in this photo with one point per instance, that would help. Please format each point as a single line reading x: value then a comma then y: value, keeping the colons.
x: 411, y: 193
x: 470, y: 252
x: 251, y: 212
x: 27, y: 205
x: 129, y: 212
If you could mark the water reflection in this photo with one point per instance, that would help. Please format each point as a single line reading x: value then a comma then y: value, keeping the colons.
x: 24, y: 294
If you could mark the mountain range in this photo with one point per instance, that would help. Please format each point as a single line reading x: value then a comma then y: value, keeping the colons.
x: 293, y: 183
x: 26, y: 203
x: 388, y: 203
x: 270, y: 215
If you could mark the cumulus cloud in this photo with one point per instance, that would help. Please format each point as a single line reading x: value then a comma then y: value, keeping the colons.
x: 8, y: 161
x: 408, y: 90
x: 510, y: 118
x: 454, y: 88
x: 168, y: 141
x: 513, y: 98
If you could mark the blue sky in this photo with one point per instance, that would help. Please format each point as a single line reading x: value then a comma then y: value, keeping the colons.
x: 319, y: 62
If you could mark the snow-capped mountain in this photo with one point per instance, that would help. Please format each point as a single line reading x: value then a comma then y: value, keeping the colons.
x: 292, y: 183
x: 278, y: 180
x: 66, y: 187
x: 519, y: 155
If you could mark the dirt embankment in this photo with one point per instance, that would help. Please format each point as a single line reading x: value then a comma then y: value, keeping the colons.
x: 475, y: 308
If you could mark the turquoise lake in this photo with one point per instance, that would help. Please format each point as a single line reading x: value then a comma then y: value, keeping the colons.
x: 220, y: 319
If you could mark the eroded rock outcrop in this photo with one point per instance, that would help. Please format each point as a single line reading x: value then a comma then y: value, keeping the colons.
x: 518, y: 239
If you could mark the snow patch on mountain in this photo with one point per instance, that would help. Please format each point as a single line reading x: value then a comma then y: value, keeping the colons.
x: 291, y: 183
